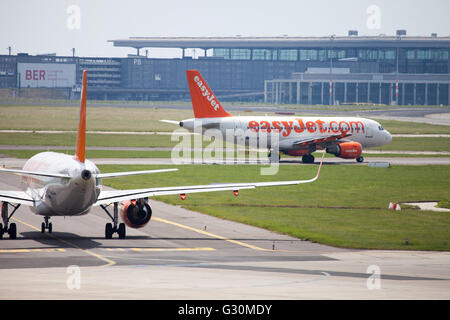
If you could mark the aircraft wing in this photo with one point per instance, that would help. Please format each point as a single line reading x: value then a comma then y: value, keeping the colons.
x: 107, y: 197
x: 319, y: 140
x: 19, y: 197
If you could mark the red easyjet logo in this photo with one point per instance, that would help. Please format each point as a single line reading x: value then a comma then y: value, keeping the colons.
x: 299, y: 126
x: 207, y: 94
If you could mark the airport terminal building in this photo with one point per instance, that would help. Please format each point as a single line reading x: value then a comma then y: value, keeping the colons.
x: 397, y: 69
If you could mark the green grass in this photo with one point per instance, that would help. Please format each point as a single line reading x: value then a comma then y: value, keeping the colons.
x: 98, y: 118
x: 91, y: 154
x: 402, y: 127
x: 444, y: 204
x: 346, y: 207
x: 113, y: 140
x: 417, y: 144
x: 142, y: 119
x: 103, y: 140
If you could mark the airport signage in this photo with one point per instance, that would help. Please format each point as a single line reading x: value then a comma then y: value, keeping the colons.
x: 47, y: 75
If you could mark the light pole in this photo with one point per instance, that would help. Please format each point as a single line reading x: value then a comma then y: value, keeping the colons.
x: 331, y: 102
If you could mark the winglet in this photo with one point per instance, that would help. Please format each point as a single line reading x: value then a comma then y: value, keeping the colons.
x: 81, y: 138
x: 204, y: 102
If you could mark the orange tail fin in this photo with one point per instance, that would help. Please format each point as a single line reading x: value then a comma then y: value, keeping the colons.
x: 204, y: 102
x: 81, y: 138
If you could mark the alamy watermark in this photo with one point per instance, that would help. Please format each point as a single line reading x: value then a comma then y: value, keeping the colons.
x: 73, y: 21
x: 374, y: 17
x: 73, y: 281
x: 374, y: 280
x: 230, y: 146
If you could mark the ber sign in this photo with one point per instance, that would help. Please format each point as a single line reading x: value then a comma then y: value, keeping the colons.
x: 48, y: 75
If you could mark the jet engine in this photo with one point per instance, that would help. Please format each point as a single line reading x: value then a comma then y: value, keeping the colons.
x: 136, y: 213
x: 346, y: 150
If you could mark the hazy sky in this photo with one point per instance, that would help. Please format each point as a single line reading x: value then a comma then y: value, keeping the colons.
x: 47, y: 26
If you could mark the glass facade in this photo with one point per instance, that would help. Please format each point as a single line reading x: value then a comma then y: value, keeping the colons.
x: 288, y: 54
x: 241, y: 54
x: 233, y: 72
x: 264, y: 54
x: 422, y: 60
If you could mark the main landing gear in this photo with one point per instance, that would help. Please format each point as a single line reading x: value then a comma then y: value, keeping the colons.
x: 6, y: 227
x: 46, y: 225
x: 114, y: 227
x: 274, y: 156
x: 308, y: 158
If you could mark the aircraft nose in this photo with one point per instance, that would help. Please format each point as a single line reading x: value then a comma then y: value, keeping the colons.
x: 388, y: 137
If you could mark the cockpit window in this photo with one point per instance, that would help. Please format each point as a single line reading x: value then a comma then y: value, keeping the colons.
x: 380, y: 128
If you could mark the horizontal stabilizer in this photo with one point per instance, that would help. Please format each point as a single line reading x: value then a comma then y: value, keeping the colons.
x: 131, y: 173
x: 19, y: 197
x: 171, y: 121
x: 34, y: 173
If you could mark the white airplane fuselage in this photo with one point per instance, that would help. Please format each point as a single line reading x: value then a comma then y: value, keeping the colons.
x: 289, y: 130
x: 62, y: 196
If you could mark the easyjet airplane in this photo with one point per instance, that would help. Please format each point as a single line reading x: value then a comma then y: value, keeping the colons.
x: 62, y: 185
x: 344, y: 137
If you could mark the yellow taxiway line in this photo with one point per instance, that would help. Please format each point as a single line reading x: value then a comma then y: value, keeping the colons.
x: 212, y: 235
x: 108, y: 261
x: 32, y: 250
x: 159, y: 249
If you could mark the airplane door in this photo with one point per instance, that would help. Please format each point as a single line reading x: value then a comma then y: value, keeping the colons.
x: 369, y: 131
x: 228, y: 128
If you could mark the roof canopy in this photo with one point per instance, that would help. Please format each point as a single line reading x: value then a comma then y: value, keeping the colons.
x: 283, y: 42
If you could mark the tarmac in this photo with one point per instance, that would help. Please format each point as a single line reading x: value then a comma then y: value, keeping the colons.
x: 182, y: 254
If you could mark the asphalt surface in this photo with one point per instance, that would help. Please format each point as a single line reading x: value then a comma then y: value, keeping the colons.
x: 183, y: 254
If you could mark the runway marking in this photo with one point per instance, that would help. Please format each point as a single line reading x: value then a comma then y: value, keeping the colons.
x: 159, y: 249
x: 32, y: 250
x: 243, y: 244
x: 108, y: 261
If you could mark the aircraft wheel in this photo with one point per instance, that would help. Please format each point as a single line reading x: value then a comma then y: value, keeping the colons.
x: 108, y: 231
x: 121, y: 231
x: 12, y: 231
x: 359, y: 159
x: 308, y: 158
x: 43, y: 227
x: 50, y: 227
